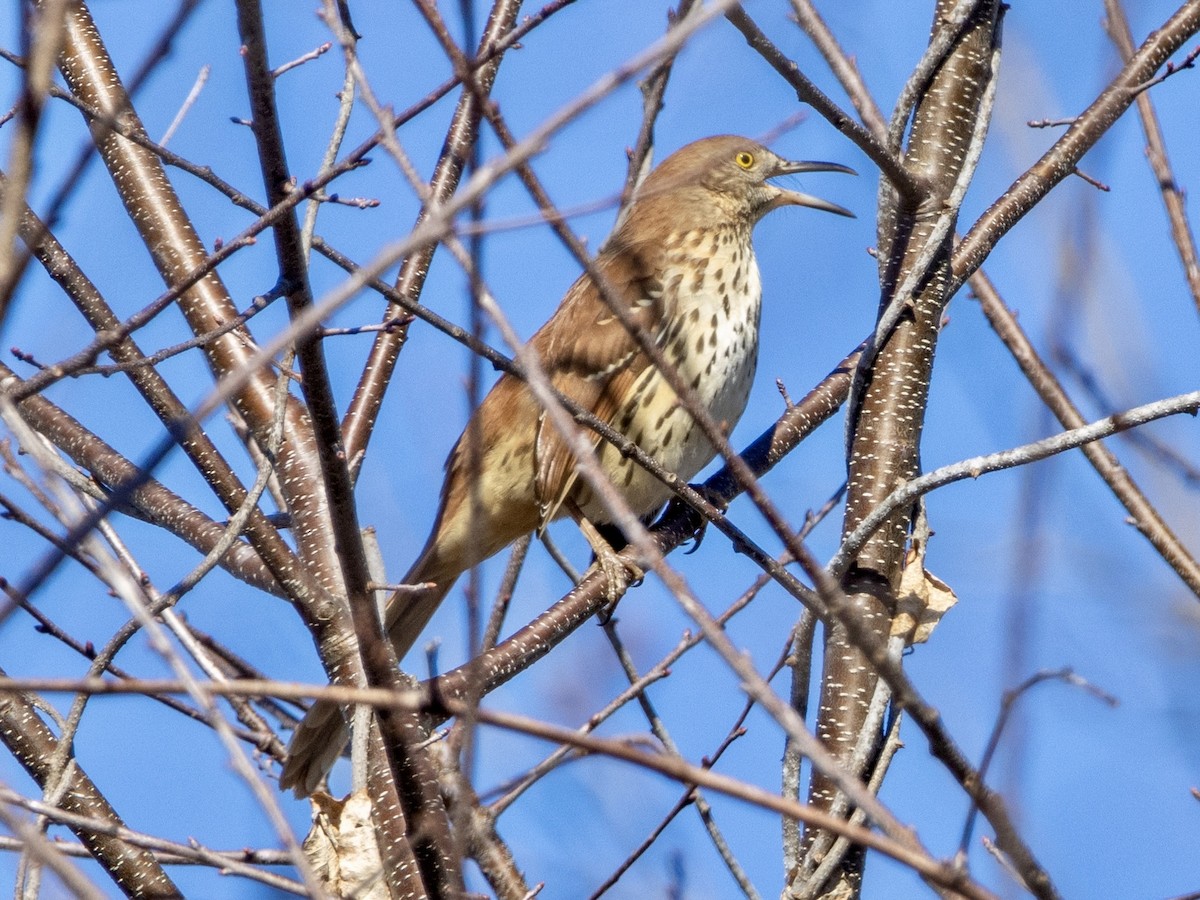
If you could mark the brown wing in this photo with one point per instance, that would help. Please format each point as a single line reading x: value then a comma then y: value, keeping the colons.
x: 590, y: 357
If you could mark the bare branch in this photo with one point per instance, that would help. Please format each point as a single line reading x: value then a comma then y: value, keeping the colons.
x: 1061, y: 159
x: 1142, y: 513
x: 1006, y: 459
x: 808, y: 93
x: 1156, y: 151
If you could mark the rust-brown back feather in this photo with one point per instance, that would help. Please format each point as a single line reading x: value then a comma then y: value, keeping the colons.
x: 590, y: 356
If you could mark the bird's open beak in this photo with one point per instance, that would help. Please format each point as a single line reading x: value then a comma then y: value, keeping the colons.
x: 795, y: 198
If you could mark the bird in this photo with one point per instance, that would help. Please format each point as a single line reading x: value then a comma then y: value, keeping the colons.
x: 681, y: 261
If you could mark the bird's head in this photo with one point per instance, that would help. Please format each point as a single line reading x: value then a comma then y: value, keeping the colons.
x: 733, y: 175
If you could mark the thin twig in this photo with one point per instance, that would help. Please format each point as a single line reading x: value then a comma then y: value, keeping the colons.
x: 1006, y: 459
x: 316, y: 52
x: 238, y: 863
x: 1007, y: 703
x: 1117, y: 25
x: 189, y: 101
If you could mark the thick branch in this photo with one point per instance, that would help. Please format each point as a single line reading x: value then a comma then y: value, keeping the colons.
x: 145, y: 498
x: 176, y: 250
x: 423, y: 816
x: 134, y: 870
x: 889, y: 407
x: 174, y: 415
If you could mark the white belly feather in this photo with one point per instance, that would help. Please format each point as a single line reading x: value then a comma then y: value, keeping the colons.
x: 715, y: 351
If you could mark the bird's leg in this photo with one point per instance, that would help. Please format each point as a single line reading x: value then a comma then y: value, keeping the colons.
x: 619, y: 573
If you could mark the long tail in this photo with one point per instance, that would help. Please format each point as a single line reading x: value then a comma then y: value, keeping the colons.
x: 322, y: 734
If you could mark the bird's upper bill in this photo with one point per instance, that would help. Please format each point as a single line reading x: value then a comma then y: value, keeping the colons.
x: 785, y: 197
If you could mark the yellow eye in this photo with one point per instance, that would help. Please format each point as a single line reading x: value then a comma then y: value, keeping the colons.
x: 744, y: 159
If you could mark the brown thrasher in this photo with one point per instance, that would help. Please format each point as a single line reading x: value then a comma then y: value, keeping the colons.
x: 682, y: 262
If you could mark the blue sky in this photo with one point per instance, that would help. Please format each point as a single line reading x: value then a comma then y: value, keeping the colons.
x: 1104, y: 795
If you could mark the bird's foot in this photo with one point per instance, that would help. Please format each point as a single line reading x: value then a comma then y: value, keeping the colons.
x: 619, y: 573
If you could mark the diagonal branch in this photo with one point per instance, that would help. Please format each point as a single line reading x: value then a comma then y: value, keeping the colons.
x: 45, y: 35
x: 428, y: 839
x: 158, y: 395
x: 1156, y: 155
x: 33, y: 744
x: 912, y: 490
x: 1060, y: 160
x: 138, y: 494
x: 462, y: 135
x: 176, y: 249
x: 809, y: 93
x: 1142, y: 513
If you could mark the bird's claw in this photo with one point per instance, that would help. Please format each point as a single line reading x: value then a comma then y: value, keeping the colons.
x: 619, y: 574
x: 714, y: 499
